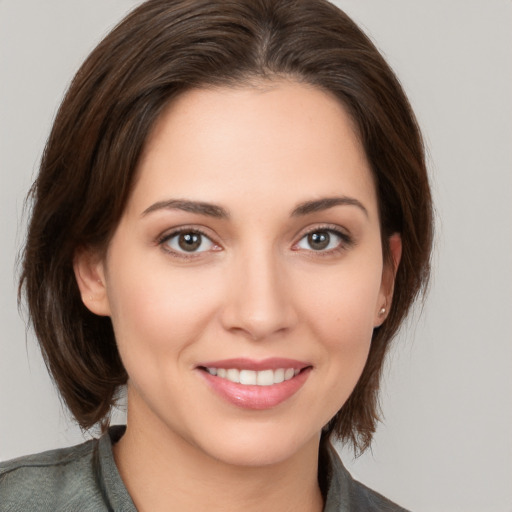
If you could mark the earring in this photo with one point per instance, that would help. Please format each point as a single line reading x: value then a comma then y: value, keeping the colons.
x: 382, y: 311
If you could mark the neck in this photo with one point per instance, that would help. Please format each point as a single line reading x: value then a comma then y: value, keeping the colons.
x: 162, y: 470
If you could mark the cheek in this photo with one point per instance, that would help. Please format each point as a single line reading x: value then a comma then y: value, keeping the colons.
x: 340, y: 311
x: 158, y: 311
x: 342, y: 304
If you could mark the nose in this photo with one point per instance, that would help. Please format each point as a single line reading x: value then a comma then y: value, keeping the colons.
x: 258, y: 301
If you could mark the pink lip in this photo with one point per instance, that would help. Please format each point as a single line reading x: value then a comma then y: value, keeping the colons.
x: 256, y: 397
x: 241, y: 363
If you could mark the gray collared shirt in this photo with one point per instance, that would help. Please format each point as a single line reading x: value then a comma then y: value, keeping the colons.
x: 85, y: 478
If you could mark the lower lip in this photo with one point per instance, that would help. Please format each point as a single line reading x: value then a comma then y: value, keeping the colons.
x: 256, y: 397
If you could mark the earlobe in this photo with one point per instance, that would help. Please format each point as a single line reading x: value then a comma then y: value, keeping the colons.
x: 90, y: 277
x: 388, y: 279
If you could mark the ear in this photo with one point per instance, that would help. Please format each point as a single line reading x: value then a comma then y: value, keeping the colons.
x: 89, y: 270
x: 388, y: 279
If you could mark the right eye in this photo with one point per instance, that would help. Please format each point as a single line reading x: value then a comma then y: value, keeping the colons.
x: 189, y: 241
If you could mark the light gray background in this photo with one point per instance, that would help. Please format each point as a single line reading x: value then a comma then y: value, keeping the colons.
x: 446, y: 444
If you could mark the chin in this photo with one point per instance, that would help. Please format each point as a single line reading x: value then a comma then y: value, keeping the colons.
x: 258, y: 449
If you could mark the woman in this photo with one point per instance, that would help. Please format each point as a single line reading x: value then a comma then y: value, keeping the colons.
x: 232, y: 218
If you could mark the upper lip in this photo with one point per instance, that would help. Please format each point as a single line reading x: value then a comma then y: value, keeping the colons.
x: 241, y: 363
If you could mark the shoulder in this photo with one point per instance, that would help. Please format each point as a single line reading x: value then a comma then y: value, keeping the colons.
x: 348, y: 495
x: 63, y: 480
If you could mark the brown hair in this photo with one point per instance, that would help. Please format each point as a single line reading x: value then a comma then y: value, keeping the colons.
x: 165, y: 47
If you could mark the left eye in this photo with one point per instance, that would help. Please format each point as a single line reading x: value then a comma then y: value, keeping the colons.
x: 189, y: 241
x: 321, y: 240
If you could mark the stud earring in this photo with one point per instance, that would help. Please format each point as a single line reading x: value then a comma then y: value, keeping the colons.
x: 382, y: 311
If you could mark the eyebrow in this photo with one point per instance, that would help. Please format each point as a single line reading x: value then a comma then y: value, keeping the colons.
x: 325, y: 203
x: 211, y: 210
x: 218, y: 212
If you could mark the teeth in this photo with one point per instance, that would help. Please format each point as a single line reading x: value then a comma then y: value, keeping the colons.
x: 265, y: 378
x: 279, y: 375
x: 233, y: 375
x: 251, y: 377
x: 247, y: 377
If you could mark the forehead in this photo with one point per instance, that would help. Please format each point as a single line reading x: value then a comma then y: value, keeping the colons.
x: 247, y: 143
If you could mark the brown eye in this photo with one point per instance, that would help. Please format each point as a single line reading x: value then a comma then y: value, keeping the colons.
x: 319, y: 240
x: 188, y: 241
x: 323, y: 240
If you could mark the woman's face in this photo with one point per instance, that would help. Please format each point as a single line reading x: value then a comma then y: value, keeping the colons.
x: 249, y: 251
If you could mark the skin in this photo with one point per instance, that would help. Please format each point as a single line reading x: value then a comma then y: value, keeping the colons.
x: 256, y: 288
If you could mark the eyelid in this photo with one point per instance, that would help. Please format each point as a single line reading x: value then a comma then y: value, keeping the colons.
x: 171, y: 233
x: 346, y: 237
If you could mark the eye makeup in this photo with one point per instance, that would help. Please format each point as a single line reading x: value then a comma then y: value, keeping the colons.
x: 192, y: 242
x: 324, y: 240
x: 187, y: 242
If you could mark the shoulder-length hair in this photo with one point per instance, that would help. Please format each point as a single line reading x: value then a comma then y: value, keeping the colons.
x: 165, y: 47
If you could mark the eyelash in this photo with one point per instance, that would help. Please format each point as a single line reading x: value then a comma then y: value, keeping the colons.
x: 163, y: 240
x: 346, y: 241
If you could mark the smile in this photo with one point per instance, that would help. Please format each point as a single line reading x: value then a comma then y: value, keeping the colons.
x: 255, y: 385
x: 255, y: 378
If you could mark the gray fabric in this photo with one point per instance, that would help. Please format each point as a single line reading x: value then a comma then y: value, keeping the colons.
x: 81, y: 478
x: 348, y: 495
x: 85, y: 478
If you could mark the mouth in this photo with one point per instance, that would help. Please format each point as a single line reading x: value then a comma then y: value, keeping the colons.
x: 255, y: 385
x: 252, y: 377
